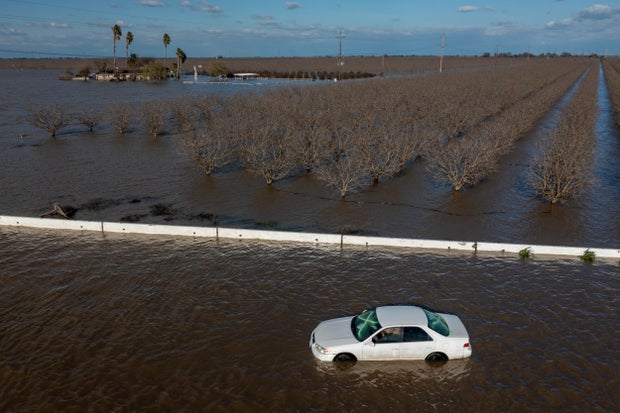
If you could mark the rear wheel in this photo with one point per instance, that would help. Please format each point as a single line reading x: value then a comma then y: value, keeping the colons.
x: 437, y: 357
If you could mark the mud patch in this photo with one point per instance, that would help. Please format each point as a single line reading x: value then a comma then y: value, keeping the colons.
x: 99, y: 204
x: 133, y: 218
x: 162, y: 210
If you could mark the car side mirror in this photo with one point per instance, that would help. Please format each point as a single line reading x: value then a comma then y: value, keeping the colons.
x: 370, y: 343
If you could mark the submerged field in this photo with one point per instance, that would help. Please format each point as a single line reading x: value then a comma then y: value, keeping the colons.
x: 463, y: 154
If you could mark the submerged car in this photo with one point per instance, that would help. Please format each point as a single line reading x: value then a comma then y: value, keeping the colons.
x: 395, y: 332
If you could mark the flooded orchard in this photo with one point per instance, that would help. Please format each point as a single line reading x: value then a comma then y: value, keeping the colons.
x: 126, y: 323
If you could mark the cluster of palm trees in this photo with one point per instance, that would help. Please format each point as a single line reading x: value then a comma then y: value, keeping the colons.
x: 117, y: 35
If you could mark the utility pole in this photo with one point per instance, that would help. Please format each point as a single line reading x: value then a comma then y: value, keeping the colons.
x: 443, y: 46
x: 383, y: 65
x: 528, y: 52
x: 340, y: 60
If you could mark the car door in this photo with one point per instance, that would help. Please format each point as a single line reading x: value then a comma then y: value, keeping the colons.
x: 384, y: 345
x: 416, y: 344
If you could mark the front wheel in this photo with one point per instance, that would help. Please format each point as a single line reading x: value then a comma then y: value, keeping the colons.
x: 345, y: 357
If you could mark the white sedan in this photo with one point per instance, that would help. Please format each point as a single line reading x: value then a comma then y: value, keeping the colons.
x: 398, y: 332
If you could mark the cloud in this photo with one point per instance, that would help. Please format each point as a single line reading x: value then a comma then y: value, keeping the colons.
x: 467, y: 9
x: 4, y: 31
x: 597, y: 12
x: 500, y: 29
x: 204, y: 6
x: 211, y: 8
x: 553, y: 24
x: 290, y: 5
x: 52, y: 24
x: 265, y: 20
x: 56, y: 25
x: 151, y: 3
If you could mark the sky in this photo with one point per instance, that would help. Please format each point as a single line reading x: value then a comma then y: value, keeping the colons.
x: 275, y: 28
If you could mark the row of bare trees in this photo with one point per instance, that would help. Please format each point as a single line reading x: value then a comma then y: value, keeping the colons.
x: 359, y: 133
x: 387, y: 65
x: 153, y: 116
x: 563, y: 168
x: 473, y: 140
x: 611, y: 67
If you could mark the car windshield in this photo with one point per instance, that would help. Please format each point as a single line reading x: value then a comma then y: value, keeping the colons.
x: 365, y: 325
x: 437, y: 323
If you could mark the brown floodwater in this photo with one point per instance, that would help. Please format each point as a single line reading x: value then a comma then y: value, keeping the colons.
x: 120, y: 323
x: 134, y: 323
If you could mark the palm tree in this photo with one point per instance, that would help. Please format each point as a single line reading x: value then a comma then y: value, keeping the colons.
x: 181, y: 57
x: 128, y: 40
x: 116, y: 30
x: 166, y: 43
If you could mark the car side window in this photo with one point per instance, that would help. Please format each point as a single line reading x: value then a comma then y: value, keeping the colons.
x: 414, y: 334
x: 388, y: 335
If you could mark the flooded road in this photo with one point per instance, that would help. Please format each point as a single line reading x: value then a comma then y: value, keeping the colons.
x: 120, y: 323
x: 138, y: 323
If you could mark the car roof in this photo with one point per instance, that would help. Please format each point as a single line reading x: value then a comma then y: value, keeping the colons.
x: 401, y: 315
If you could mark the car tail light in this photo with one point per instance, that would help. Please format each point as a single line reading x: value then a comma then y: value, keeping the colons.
x: 466, y: 345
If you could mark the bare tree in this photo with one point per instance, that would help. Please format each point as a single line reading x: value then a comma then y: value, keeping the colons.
x: 265, y: 153
x: 308, y: 131
x: 374, y: 137
x: 121, y: 115
x: 409, y: 139
x: 346, y: 175
x: 263, y: 141
x: 562, y: 171
x: 51, y: 118
x: 102, y: 65
x: 339, y: 123
x: 89, y: 118
x: 210, y: 145
x: 186, y: 113
x: 154, y: 117
x: 463, y: 161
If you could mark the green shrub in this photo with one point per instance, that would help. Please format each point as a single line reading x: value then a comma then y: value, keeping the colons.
x: 217, y: 69
x: 588, y: 256
x: 154, y: 71
x: 525, y: 253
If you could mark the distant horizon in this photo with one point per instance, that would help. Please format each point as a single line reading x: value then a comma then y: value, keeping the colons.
x: 122, y: 58
x: 278, y: 28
